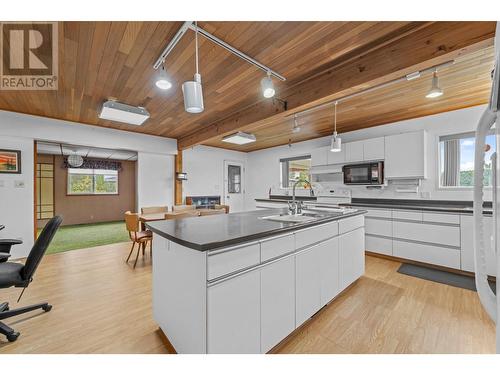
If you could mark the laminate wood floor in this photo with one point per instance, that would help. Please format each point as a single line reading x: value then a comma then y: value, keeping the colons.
x: 102, y: 305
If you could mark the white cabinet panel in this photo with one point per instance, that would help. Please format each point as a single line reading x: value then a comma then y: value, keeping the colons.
x: 276, y: 247
x: 232, y: 260
x: 378, y: 245
x: 354, y: 151
x: 374, y: 212
x: 312, y: 235
x: 405, y: 155
x: 308, y: 284
x: 352, y: 257
x: 319, y: 156
x: 329, y: 270
x: 408, y: 215
x: 432, y: 233
x: 441, y: 218
x: 467, y: 240
x: 378, y: 227
x: 374, y: 149
x: 335, y: 157
x: 351, y: 223
x: 233, y: 315
x: 277, y: 302
x: 441, y: 256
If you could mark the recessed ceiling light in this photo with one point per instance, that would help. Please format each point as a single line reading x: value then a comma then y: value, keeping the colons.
x: 239, y: 138
x: 120, y: 112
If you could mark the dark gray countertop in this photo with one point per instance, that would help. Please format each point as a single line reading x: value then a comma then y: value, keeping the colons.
x: 458, y: 207
x: 215, y: 231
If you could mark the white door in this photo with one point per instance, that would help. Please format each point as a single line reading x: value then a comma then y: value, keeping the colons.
x: 308, y: 284
x: 234, y: 185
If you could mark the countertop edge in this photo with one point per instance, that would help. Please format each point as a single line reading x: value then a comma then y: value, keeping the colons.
x: 249, y: 238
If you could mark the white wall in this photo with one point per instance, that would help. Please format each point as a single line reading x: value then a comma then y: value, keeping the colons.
x: 16, y: 204
x: 155, y: 168
x: 205, y: 170
x: 155, y: 180
x: 263, y: 166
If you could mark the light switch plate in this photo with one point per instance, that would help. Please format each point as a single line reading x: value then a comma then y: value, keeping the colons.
x: 425, y: 194
x: 2, y: 183
x: 19, y: 184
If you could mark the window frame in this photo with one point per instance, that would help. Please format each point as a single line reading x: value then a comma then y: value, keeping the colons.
x: 444, y: 136
x: 93, y: 194
x: 288, y: 159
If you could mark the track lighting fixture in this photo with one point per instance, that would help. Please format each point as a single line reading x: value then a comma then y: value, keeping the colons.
x: 267, y: 86
x: 435, y: 90
x: 296, y: 126
x: 336, y: 143
x: 192, y: 90
x: 163, y: 81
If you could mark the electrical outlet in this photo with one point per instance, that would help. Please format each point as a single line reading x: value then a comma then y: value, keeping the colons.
x: 19, y: 184
x: 425, y: 194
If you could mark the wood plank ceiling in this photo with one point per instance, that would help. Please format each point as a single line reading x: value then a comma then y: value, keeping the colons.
x: 102, y: 60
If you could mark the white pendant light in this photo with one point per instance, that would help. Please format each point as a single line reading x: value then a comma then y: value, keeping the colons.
x: 296, y: 127
x: 336, y: 143
x: 435, y: 90
x: 192, y: 90
x: 163, y: 81
x: 267, y: 86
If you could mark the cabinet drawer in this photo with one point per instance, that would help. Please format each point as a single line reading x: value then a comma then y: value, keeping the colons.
x: 373, y: 212
x: 225, y: 261
x: 276, y: 247
x: 441, y: 218
x: 351, y: 223
x: 378, y: 245
x: 312, y: 235
x: 441, y: 256
x: 379, y: 227
x: 432, y: 233
x: 408, y: 215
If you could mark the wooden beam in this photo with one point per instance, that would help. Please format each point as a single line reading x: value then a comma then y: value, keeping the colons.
x: 424, y: 48
x: 178, y: 183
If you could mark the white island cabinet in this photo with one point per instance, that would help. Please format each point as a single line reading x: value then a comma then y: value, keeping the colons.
x: 248, y: 297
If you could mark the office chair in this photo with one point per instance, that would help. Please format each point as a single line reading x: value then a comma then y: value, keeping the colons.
x: 21, y: 275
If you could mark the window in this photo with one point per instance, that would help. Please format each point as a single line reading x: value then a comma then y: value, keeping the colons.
x: 294, y: 168
x: 456, y: 160
x: 92, y: 181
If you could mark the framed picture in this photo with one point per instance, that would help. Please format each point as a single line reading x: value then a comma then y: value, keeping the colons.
x: 10, y: 161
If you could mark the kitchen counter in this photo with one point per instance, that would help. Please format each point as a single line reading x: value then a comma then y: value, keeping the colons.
x: 212, y: 232
x: 458, y: 207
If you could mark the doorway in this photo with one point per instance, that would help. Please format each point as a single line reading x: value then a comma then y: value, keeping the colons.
x: 234, y: 185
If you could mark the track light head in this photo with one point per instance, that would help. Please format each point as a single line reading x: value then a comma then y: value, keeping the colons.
x: 435, y: 90
x: 267, y: 86
x: 163, y: 81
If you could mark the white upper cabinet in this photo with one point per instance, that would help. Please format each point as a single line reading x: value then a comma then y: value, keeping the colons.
x: 374, y: 149
x: 354, y: 151
x: 319, y: 156
x: 335, y: 157
x: 405, y: 155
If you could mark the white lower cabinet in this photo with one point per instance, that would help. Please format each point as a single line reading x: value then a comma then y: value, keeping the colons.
x: 378, y: 245
x: 277, y: 302
x: 351, y: 256
x: 233, y: 315
x: 329, y: 270
x: 307, y: 283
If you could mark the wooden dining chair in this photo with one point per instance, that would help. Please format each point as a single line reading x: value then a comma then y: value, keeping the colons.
x: 137, y: 236
x: 183, y: 207
x: 154, y: 210
x: 181, y: 215
x: 216, y: 211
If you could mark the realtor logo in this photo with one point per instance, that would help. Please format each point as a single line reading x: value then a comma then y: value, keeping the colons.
x: 29, y: 58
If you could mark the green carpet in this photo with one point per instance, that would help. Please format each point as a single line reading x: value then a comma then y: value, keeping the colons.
x: 81, y: 236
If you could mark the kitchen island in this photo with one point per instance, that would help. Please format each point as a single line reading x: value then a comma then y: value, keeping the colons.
x: 241, y: 283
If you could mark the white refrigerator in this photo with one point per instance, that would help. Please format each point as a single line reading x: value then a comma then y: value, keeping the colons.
x: 490, y: 301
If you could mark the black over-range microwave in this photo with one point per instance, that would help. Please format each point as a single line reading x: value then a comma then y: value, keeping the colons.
x: 364, y: 174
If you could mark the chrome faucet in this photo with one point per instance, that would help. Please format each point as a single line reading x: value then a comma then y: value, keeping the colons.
x: 295, y: 207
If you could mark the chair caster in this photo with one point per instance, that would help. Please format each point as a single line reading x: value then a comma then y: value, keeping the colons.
x: 47, y: 308
x: 12, y: 336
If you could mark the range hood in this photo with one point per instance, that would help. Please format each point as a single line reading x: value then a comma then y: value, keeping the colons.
x: 323, y: 169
